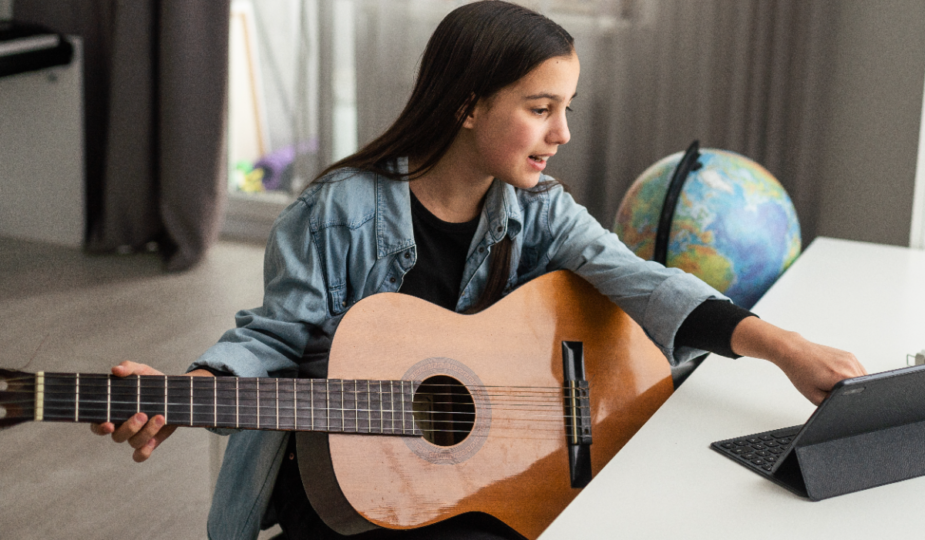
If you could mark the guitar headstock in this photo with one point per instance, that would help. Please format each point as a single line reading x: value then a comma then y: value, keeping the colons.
x: 17, y: 397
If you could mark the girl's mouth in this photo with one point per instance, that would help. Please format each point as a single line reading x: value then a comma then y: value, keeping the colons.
x: 538, y: 162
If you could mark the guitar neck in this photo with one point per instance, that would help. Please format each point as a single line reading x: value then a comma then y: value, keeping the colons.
x: 327, y: 405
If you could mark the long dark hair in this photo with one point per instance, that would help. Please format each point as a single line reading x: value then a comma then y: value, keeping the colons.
x: 477, y: 50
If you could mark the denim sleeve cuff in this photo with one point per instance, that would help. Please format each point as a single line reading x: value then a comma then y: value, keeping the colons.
x: 230, y: 359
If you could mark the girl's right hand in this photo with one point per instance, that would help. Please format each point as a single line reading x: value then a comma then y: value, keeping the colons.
x: 143, y: 434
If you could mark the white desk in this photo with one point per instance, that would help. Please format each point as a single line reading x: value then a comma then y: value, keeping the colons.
x: 667, y: 483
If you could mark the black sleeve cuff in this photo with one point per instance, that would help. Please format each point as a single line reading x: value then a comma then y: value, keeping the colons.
x: 709, y: 327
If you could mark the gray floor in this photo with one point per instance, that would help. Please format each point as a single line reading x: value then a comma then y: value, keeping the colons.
x: 66, y: 311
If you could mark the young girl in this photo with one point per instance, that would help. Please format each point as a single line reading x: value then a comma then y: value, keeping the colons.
x: 451, y: 205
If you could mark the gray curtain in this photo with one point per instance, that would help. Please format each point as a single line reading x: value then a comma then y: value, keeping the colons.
x: 155, y: 87
x: 743, y: 75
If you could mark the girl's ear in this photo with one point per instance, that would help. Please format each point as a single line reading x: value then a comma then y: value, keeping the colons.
x: 468, y: 122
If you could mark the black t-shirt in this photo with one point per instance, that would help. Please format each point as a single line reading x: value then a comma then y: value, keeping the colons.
x: 442, y: 249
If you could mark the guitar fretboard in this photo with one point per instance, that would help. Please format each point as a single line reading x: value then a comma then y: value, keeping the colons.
x: 330, y: 405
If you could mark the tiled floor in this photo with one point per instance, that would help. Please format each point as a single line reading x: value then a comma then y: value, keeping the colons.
x: 63, y: 310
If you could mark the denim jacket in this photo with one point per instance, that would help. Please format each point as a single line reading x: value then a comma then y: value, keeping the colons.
x: 349, y: 236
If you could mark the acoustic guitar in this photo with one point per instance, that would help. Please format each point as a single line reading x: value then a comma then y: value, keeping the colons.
x: 426, y: 414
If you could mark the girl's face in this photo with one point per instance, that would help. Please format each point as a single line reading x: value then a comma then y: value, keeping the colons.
x: 516, y: 130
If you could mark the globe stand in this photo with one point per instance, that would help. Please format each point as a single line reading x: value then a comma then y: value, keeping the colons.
x: 688, y: 163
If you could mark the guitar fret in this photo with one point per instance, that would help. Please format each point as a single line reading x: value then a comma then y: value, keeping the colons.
x: 77, y: 397
x: 108, y: 399
x: 165, y: 399
x: 277, y: 403
x: 343, y: 408
x: 190, y: 401
x: 295, y: 407
x: 381, y: 416
x: 402, y: 383
x: 228, y: 414
x: 312, y: 383
x: 327, y: 403
x: 138, y: 394
x: 258, y: 403
x: 215, y: 401
x: 237, y: 404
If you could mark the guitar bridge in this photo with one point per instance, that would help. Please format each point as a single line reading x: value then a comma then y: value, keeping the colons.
x: 577, y: 403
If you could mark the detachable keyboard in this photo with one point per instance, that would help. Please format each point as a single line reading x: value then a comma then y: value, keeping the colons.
x: 759, y: 451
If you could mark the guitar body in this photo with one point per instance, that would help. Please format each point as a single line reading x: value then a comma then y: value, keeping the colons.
x: 513, y: 461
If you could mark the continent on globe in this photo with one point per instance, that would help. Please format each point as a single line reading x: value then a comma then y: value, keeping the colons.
x: 734, y: 225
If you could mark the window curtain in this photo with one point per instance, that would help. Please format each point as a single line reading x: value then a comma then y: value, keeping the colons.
x: 746, y: 76
x: 155, y: 87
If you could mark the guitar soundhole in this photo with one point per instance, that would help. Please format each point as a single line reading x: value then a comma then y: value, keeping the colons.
x: 444, y: 410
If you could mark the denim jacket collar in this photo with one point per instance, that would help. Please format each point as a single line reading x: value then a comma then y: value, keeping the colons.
x: 394, y: 231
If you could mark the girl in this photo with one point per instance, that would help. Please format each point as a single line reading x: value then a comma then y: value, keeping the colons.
x: 451, y: 205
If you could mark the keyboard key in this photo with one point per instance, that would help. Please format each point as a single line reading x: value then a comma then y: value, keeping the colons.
x: 727, y: 445
x: 753, y: 440
x: 786, y: 433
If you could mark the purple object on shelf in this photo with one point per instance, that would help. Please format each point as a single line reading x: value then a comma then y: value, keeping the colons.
x: 277, y: 165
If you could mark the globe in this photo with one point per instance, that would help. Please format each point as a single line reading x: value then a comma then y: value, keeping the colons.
x: 734, y: 226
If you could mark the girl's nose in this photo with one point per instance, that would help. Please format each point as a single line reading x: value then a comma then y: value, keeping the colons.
x: 559, y: 134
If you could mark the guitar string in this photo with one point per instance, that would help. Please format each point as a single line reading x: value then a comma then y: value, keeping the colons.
x: 184, y: 391
x: 355, y: 394
x: 158, y: 381
x: 361, y: 429
x: 369, y: 413
x: 50, y: 404
x: 180, y: 401
x: 357, y: 397
x: 269, y: 401
x: 352, y: 427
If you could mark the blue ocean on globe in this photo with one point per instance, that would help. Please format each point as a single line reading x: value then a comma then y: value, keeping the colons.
x: 734, y: 226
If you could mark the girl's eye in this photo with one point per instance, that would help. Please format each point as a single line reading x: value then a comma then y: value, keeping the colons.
x: 540, y: 111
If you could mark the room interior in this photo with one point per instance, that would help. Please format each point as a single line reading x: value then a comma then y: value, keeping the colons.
x: 847, y: 84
